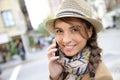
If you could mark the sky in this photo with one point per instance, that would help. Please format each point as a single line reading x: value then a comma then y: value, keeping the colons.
x: 38, y: 10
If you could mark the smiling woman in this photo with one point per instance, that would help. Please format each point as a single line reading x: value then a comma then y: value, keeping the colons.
x: 71, y: 35
x: 78, y: 54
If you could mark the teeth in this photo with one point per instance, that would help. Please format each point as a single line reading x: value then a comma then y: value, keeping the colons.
x: 69, y: 46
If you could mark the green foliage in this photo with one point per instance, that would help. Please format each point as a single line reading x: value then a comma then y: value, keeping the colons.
x: 31, y: 41
x: 42, y: 29
x: 12, y: 48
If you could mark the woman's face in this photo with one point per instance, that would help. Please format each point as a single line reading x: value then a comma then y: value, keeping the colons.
x: 68, y: 36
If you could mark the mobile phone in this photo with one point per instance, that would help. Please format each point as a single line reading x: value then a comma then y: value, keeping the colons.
x: 57, y: 52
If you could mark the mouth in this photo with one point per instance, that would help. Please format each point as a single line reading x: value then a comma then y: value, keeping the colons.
x: 69, y: 47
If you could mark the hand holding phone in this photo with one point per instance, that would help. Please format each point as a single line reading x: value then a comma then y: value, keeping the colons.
x: 57, y: 52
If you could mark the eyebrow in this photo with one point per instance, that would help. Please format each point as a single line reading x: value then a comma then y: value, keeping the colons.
x: 56, y: 27
x: 71, y: 27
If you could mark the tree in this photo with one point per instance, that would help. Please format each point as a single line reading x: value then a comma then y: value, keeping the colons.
x: 42, y: 29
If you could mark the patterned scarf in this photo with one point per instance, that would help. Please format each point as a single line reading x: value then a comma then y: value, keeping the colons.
x: 76, y: 66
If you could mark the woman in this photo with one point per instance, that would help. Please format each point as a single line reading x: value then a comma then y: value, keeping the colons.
x: 78, y: 54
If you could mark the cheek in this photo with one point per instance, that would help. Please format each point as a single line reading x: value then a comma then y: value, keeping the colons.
x: 58, y: 39
x: 77, y: 38
x: 81, y: 42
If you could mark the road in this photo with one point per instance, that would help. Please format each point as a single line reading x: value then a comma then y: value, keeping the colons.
x: 33, y: 70
x: 38, y: 70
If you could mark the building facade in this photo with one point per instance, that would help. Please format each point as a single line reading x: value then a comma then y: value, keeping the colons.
x: 14, y: 24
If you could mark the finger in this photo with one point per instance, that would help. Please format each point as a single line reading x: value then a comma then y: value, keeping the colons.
x: 54, y: 58
x: 51, y: 46
x: 53, y: 42
x: 51, y: 53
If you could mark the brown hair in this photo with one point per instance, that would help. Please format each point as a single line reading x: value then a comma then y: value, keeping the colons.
x: 95, y: 56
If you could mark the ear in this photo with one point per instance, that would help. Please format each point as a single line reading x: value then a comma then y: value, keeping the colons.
x: 90, y: 32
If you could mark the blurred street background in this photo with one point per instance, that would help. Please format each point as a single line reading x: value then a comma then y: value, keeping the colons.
x: 24, y: 40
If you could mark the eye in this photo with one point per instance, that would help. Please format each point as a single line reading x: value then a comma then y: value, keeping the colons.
x: 58, y: 31
x: 75, y: 29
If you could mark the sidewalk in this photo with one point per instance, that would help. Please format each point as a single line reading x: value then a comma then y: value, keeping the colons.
x: 109, y: 41
x: 29, y: 58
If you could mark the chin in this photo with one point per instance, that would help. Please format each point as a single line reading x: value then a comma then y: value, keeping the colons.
x: 69, y: 54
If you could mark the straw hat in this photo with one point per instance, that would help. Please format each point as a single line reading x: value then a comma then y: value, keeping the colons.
x: 75, y: 8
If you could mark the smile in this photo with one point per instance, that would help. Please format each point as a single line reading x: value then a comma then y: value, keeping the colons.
x: 69, y: 47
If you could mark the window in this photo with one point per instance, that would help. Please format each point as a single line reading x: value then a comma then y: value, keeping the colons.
x: 7, y: 18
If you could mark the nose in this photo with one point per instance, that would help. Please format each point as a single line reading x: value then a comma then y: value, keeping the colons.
x: 67, y: 38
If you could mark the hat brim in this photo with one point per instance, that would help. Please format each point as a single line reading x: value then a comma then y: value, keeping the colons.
x: 96, y: 24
